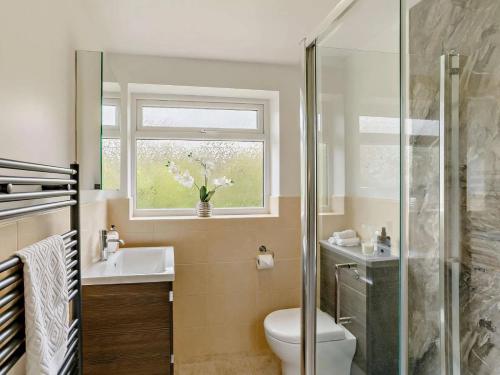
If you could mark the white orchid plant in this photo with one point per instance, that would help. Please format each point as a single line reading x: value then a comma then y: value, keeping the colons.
x: 188, y: 181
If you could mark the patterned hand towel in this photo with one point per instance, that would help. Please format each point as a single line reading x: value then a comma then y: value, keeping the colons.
x: 46, y: 305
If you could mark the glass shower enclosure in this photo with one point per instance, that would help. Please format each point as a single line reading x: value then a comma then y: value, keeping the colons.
x: 451, y: 110
x: 401, y: 130
x: 351, y: 140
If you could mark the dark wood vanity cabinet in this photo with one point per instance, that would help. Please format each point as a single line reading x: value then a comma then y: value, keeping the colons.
x: 368, y: 294
x: 127, y: 329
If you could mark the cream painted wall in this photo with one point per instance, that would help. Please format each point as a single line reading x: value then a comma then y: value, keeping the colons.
x: 223, y: 74
x: 37, y: 47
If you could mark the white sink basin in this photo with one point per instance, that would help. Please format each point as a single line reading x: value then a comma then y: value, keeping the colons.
x: 133, y: 265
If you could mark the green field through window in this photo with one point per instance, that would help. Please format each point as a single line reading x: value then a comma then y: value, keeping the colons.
x: 242, y: 161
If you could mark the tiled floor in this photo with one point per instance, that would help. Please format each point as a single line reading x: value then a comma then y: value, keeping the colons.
x: 264, y: 364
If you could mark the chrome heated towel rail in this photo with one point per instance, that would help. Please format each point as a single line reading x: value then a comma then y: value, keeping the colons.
x: 56, y: 192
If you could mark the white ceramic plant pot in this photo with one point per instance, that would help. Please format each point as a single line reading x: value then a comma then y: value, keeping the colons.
x: 204, y: 209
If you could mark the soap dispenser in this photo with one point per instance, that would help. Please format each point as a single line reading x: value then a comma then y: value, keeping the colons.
x: 114, y: 236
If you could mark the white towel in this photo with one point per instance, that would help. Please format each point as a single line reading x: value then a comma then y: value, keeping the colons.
x: 348, y: 233
x: 344, y: 242
x: 46, y: 305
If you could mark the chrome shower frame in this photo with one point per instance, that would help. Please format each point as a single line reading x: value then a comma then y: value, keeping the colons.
x: 309, y: 239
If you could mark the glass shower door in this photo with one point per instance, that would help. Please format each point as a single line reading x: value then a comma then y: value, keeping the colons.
x: 451, y: 102
x: 351, y: 140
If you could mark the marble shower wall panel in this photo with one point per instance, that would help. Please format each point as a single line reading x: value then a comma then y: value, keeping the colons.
x: 472, y: 28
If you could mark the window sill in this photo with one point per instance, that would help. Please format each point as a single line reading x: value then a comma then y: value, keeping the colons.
x: 331, y: 214
x: 194, y: 217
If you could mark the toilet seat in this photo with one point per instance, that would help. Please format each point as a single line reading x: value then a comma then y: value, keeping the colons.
x: 284, y: 325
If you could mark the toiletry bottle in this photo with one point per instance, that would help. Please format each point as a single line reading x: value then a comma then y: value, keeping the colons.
x: 375, y: 238
x: 113, y: 235
x: 383, y: 245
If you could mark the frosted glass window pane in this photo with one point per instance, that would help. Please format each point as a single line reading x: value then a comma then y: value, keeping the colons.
x: 111, y: 164
x: 243, y: 162
x: 378, y: 170
x: 379, y: 125
x: 199, y: 118
x: 109, y: 115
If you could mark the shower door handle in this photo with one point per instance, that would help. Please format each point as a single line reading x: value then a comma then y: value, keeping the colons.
x: 449, y: 213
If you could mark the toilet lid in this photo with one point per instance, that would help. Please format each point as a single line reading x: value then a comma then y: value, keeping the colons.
x: 284, y: 325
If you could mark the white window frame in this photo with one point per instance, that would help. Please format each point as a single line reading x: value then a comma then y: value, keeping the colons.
x: 138, y: 132
x: 107, y: 130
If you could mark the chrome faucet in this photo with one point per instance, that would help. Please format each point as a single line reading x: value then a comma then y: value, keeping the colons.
x: 105, y: 241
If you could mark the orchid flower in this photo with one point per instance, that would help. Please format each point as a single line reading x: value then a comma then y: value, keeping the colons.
x: 186, y: 180
x: 222, y: 182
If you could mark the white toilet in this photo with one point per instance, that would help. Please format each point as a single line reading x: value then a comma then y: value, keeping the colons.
x: 334, y: 349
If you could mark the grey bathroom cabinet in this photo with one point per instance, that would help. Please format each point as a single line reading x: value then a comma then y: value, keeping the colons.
x: 370, y: 295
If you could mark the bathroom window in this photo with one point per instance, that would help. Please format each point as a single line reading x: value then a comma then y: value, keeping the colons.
x: 110, y: 144
x: 379, y: 155
x: 193, y: 115
x: 229, y: 132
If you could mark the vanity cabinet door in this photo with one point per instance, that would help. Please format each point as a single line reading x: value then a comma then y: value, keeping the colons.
x: 127, y: 329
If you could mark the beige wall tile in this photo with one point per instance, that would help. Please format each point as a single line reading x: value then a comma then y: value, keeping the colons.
x: 227, y: 278
x: 329, y: 223
x: 230, y: 246
x: 286, y: 274
x: 213, y: 224
x: 231, y: 308
x: 190, y: 246
x: 377, y: 213
x: 270, y: 300
x: 190, y: 311
x: 221, y: 299
x: 259, y: 342
x: 137, y: 239
x: 191, y: 279
x: 285, y: 243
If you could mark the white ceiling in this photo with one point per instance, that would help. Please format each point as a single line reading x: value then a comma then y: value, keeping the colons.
x: 242, y: 30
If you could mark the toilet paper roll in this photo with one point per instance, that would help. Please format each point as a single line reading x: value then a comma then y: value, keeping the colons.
x: 265, y: 261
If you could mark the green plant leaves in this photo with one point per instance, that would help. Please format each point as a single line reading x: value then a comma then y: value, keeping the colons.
x: 206, y: 195
x: 203, y: 193
x: 210, y: 195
